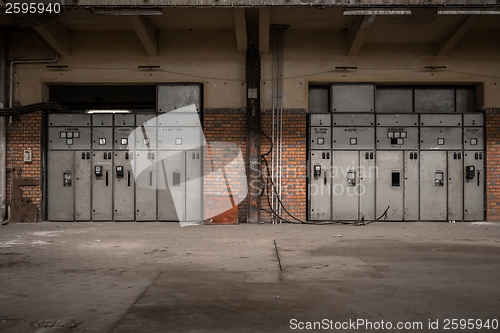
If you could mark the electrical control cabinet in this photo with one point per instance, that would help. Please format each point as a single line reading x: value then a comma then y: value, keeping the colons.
x: 428, y: 152
x: 320, y: 184
x: 83, y: 166
x: 433, y: 186
x: 103, y: 168
x: 123, y: 186
x: 390, y: 185
x: 60, y: 186
x: 474, y: 185
x: 102, y: 185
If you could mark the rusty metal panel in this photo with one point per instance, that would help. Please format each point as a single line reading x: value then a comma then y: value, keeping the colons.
x: 22, y: 208
x: 215, y: 204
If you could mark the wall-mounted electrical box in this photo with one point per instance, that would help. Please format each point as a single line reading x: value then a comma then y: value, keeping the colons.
x: 27, y: 156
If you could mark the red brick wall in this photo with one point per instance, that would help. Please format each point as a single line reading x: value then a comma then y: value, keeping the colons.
x: 293, y: 178
x: 223, y: 125
x: 228, y: 125
x: 25, y: 133
x: 492, y: 164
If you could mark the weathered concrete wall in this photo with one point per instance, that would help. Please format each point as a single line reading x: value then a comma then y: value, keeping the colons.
x: 210, y: 57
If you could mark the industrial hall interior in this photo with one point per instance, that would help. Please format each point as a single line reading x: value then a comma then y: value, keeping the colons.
x: 269, y: 111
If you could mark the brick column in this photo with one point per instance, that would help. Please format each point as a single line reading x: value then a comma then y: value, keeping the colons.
x: 25, y: 133
x: 492, y: 164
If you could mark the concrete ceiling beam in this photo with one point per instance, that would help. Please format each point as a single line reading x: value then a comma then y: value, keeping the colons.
x: 357, y: 33
x: 264, y: 28
x: 147, y: 33
x: 445, y: 45
x: 240, y: 27
x: 57, y: 35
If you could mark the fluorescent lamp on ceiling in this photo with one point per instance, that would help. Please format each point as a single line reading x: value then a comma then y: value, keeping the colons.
x: 469, y: 11
x: 128, y: 11
x: 93, y: 111
x: 377, y: 11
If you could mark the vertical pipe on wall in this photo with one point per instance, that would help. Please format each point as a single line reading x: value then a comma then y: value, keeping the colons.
x: 3, y: 127
x: 277, y: 117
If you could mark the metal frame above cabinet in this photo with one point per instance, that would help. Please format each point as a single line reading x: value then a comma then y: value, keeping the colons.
x: 352, y: 97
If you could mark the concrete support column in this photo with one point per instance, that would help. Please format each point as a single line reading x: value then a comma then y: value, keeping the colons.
x: 3, y: 126
x: 253, y: 118
x: 492, y: 164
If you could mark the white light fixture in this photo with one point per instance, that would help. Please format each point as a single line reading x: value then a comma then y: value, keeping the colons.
x: 377, y: 11
x: 116, y: 11
x: 469, y: 11
x: 93, y: 111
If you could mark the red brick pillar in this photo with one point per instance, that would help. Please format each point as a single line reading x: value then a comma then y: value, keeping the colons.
x: 492, y: 164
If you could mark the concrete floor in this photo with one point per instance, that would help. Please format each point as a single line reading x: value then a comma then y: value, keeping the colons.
x: 159, y: 277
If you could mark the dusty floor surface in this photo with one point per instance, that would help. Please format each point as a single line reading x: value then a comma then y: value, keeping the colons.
x: 159, y: 277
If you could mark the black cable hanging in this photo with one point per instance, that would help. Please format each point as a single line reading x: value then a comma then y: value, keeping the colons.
x: 270, y: 182
x: 45, y: 106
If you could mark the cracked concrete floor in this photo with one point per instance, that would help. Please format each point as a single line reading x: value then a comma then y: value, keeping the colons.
x: 159, y: 277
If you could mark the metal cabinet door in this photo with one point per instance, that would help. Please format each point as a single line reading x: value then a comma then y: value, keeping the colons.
x: 194, y: 197
x: 145, y: 185
x: 345, y: 188
x: 473, y: 138
x: 474, y: 187
x: 171, y: 186
x: 411, y: 186
x: 83, y: 177
x: 353, y: 138
x: 102, y: 186
x: 433, y: 186
x: 321, y: 138
x: 320, y: 185
x: 124, y: 186
x: 102, y: 138
x: 323, y: 119
x: 367, y: 176
x: 390, y: 184
x: 60, y: 186
x: 455, y: 185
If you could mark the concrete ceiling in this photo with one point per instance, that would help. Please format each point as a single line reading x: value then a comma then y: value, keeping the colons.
x: 423, y: 26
